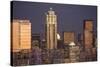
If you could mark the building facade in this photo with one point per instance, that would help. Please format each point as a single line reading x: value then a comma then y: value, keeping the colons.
x: 21, y: 35
x: 69, y: 37
x: 88, y: 33
x: 88, y: 39
x: 51, y: 29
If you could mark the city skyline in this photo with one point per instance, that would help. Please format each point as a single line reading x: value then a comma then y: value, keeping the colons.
x: 70, y: 17
x: 49, y: 33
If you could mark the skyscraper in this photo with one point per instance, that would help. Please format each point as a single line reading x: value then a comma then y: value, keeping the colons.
x: 88, y: 33
x: 51, y: 29
x: 21, y: 35
x: 88, y: 39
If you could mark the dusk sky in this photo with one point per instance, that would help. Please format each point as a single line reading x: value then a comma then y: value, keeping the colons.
x: 69, y: 17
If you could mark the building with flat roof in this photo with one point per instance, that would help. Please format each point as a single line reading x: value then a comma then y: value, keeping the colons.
x: 88, y: 33
x: 20, y: 35
x: 69, y: 37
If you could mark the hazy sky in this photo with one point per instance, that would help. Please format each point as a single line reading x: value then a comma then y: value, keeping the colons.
x: 69, y: 17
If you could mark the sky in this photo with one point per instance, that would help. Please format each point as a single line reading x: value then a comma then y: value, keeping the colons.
x: 69, y: 17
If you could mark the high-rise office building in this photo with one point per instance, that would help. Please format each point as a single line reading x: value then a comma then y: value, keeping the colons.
x: 69, y: 37
x: 21, y: 35
x: 88, y: 33
x: 88, y: 40
x: 51, y: 29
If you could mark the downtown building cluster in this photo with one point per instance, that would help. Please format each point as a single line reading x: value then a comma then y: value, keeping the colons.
x: 28, y: 48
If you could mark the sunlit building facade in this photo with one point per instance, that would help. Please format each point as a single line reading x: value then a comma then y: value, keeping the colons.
x: 21, y: 35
